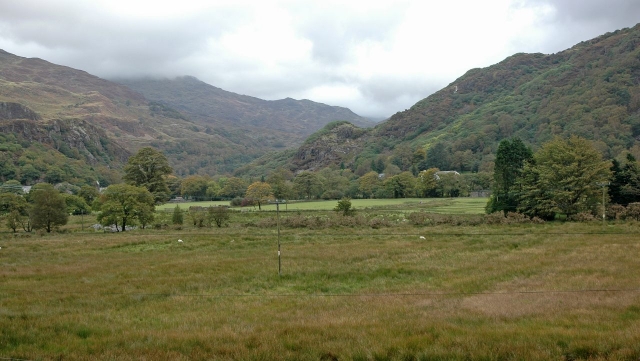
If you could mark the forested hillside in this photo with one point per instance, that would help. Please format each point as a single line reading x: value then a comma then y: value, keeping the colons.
x: 590, y: 90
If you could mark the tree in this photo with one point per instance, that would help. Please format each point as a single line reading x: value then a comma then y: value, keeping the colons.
x: 49, y: 209
x: 438, y: 156
x: 148, y: 169
x: 401, y: 185
x: 123, y: 204
x: 260, y: 192
x: 76, y: 204
x: 88, y: 193
x: 426, y: 182
x: 334, y: 183
x: 625, y: 182
x: 564, y: 177
x: 195, y: 187
x: 178, y: 217
x: 233, y: 187
x: 15, y: 208
x: 219, y: 215
x: 451, y: 184
x: 307, y: 184
x: 511, y: 158
x: 368, y: 183
x: 280, y: 184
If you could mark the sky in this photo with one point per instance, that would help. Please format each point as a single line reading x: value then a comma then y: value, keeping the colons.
x: 376, y: 57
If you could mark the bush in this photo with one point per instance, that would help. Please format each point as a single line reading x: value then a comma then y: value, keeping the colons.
x: 178, y: 217
x: 632, y: 211
x: 583, y: 217
x: 236, y: 202
x: 379, y: 222
x: 616, y: 211
x: 344, y: 206
x: 218, y: 215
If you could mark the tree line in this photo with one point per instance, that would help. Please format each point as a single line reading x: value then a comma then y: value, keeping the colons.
x: 564, y: 177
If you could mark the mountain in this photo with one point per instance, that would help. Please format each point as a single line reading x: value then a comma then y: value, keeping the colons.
x: 284, y: 122
x: 63, y: 124
x: 591, y: 90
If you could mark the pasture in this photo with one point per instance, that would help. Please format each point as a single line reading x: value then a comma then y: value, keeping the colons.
x: 564, y: 291
x: 435, y: 205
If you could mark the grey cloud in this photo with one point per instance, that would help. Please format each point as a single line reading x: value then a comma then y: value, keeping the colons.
x: 334, y: 33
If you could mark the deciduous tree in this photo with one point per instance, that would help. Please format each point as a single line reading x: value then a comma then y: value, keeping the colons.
x: 148, y: 169
x: 233, y: 187
x: 368, y: 183
x: 259, y: 192
x: 426, y: 182
x: 307, y: 184
x: 123, y: 204
x: 49, y: 209
x: 565, y: 178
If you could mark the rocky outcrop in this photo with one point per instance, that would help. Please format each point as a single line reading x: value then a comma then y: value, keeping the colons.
x: 337, y: 143
x: 9, y: 110
x: 74, y: 138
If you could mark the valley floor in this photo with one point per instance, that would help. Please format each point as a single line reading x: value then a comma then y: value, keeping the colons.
x: 537, y: 292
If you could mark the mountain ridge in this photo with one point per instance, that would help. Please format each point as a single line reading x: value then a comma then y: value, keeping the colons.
x: 591, y: 90
x: 210, y: 105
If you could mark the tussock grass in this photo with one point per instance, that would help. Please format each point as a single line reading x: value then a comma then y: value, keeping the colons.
x: 520, y: 291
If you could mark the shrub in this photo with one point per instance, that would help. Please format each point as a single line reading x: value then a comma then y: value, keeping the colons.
x: 583, y: 217
x: 495, y: 218
x: 344, y: 206
x: 420, y: 218
x: 379, y: 222
x: 236, y: 202
x: 178, y: 217
x: 632, y: 211
x: 616, y: 211
x: 218, y: 215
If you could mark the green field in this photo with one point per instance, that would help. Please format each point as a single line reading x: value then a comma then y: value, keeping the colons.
x: 559, y: 291
x: 436, y: 205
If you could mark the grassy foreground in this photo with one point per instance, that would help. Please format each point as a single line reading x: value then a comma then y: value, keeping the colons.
x: 510, y: 292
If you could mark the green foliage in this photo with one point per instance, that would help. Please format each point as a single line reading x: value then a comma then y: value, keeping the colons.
x: 259, y: 192
x: 368, y: 184
x: 89, y: 193
x: 233, y: 187
x: 148, y: 168
x: 510, y: 160
x: 49, y: 209
x: 178, y: 216
x: 219, y: 215
x: 344, y: 207
x: 401, y: 185
x: 123, y: 204
x: 625, y: 182
x: 307, y: 185
x: 194, y: 187
x: 563, y: 178
x: 76, y: 204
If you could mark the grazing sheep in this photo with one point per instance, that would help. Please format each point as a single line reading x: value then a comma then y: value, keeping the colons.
x: 422, y: 237
x: 179, y: 241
